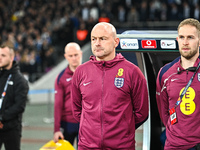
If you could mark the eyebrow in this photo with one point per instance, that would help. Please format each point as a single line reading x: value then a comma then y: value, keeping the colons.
x: 186, y: 35
x: 99, y: 36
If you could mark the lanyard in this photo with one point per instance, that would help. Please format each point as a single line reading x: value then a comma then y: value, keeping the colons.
x: 4, y: 91
x: 187, y: 86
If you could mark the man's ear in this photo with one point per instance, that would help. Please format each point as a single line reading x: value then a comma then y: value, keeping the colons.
x: 116, y: 42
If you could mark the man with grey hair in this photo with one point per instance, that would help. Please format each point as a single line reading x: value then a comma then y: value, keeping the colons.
x: 109, y: 95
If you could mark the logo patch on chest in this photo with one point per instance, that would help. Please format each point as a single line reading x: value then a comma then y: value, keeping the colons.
x: 187, y: 105
x: 68, y: 79
x: 119, y: 82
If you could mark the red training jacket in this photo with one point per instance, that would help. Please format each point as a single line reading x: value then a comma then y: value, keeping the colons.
x: 110, y: 98
x: 171, y: 80
x: 62, y: 104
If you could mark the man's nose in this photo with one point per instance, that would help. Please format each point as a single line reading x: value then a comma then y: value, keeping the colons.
x: 98, y: 42
x: 185, y: 42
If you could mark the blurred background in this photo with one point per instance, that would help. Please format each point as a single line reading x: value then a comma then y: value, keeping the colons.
x: 40, y: 29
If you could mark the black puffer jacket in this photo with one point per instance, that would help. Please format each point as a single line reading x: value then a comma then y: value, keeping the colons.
x: 15, y: 99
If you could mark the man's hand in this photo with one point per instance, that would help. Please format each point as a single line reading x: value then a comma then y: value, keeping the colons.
x: 58, y: 135
x: 1, y: 125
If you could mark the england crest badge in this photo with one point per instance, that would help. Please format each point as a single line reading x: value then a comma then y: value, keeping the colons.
x: 119, y: 82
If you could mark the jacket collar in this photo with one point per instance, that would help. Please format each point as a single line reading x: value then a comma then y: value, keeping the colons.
x: 69, y: 71
x: 107, y: 64
x: 180, y: 68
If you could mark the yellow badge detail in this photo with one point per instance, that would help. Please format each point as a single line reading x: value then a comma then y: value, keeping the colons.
x: 187, y: 105
x: 120, y: 72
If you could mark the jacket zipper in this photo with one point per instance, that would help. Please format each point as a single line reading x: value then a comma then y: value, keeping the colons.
x: 102, y: 146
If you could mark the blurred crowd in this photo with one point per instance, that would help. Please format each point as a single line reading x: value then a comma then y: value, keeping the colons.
x: 39, y: 29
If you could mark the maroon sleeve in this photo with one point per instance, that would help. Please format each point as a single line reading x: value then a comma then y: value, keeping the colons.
x: 76, y: 97
x: 140, y: 98
x: 162, y: 100
x: 58, y: 104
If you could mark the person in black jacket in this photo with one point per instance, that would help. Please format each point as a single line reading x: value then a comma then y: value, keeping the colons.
x: 13, y: 96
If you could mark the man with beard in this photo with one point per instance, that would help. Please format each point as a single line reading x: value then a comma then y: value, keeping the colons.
x: 13, y: 90
x: 178, y: 91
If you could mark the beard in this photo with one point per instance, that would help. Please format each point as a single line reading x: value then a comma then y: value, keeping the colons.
x: 189, y: 54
